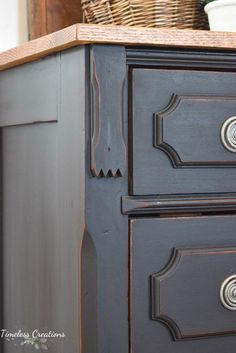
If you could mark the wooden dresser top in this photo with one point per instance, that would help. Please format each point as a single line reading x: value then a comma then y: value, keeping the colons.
x: 80, y: 34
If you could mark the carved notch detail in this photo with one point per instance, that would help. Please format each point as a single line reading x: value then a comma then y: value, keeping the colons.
x: 108, y: 150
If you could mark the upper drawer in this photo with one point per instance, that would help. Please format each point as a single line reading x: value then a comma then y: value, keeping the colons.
x: 184, y: 131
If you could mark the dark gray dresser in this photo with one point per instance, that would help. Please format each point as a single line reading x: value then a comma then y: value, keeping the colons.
x: 118, y: 191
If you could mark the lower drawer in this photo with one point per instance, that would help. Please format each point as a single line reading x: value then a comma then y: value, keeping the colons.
x: 183, y: 285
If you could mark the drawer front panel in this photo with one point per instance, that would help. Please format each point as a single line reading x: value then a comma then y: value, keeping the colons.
x: 183, y: 285
x: 184, y: 131
x: 189, y: 130
x: 186, y: 293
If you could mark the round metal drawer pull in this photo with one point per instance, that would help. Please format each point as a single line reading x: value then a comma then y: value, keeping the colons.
x: 228, y: 293
x: 228, y: 134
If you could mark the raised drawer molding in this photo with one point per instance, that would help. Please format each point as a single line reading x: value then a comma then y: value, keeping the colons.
x: 183, y: 284
x: 181, y: 290
x: 188, y: 130
x: 183, y: 126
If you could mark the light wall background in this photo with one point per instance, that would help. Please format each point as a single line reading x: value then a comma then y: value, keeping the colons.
x: 13, y: 23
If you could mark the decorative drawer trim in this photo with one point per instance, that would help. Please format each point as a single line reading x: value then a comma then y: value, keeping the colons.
x: 181, y: 105
x: 181, y: 285
x: 134, y: 205
x: 181, y: 58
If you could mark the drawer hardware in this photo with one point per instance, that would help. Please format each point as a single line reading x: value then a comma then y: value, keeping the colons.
x: 228, y: 134
x: 228, y: 293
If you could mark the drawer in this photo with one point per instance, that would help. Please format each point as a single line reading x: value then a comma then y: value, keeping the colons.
x: 183, y: 285
x: 184, y: 131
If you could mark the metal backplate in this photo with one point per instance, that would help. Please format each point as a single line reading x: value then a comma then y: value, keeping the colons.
x: 228, y: 293
x: 228, y: 134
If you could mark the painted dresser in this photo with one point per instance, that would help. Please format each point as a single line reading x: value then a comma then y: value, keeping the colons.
x: 118, y: 191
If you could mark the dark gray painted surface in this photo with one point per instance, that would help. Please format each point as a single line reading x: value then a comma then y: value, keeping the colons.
x: 108, y: 231
x: 43, y: 212
x: 193, y: 130
x: 152, y: 244
x: 108, y: 75
x: 186, y: 293
x: 60, y: 245
x: 65, y: 240
x: 30, y: 93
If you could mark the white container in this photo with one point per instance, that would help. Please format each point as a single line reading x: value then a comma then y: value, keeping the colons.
x: 222, y: 15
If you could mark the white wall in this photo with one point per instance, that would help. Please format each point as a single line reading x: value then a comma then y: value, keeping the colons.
x: 13, y: 23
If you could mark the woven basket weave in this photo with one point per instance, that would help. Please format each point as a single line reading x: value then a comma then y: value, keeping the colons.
x: 181, y: 14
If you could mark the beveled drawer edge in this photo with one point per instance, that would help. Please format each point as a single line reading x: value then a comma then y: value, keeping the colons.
x: 132, y: 205
x: 195, y: 59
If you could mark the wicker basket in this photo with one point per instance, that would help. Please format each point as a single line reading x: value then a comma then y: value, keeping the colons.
x: 147, y: 13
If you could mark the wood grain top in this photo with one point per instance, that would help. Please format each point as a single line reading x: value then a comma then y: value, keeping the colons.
x: 79, y: 34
